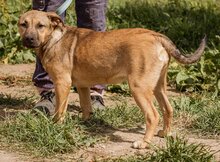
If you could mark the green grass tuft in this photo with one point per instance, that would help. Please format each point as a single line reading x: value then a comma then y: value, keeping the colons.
x: 179, y: 150
x: 9, y: 100
x: 43, y: 137
x: 208, y: 122
x: 202, y: 111
x: 121, y: 116
x: 176, y: 150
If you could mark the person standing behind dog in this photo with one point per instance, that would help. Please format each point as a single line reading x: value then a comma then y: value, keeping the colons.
x: 90, y: 14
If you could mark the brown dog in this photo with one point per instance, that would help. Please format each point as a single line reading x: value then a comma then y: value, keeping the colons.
x: 83, y: 58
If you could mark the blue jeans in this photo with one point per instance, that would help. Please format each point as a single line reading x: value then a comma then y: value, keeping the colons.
x: 90, y: 14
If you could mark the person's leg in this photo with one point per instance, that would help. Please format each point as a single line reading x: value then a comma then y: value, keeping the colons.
x: 41, y: 78
x: 91, y: 14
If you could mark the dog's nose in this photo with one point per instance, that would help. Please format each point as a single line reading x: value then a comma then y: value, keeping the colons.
x: 29, y: 39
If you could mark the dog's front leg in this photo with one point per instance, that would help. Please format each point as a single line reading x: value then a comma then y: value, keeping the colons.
x: 62, y: 89
x: 85, y: 103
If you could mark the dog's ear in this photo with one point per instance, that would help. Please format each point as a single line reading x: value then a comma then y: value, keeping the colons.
x: 55, y: 19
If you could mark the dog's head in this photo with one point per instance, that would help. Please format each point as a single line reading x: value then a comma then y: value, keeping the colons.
x: 36, y: 27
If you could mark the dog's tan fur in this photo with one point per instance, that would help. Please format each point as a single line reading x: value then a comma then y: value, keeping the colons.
x: 82, y: 58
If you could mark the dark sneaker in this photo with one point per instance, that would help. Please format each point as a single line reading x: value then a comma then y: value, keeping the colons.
x: 46, y: 103
x: 97, y: 102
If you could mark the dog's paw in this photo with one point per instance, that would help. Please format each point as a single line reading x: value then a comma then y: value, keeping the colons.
x: 86, y: 116
x: 140, y: 145
x: 58, y: 119
x: 162, y: 133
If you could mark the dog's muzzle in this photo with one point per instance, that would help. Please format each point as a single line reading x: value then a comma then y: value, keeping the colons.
x: 30, y: 42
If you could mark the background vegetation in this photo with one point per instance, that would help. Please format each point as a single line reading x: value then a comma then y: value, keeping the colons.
x: 185, y: 22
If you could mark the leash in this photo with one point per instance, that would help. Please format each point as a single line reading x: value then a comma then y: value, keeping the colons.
x: 63, y: 7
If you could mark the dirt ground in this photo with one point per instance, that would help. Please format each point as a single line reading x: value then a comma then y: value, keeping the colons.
x: 121, y: 139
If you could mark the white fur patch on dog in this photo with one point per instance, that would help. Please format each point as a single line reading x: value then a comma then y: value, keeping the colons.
x: 56, y: 35
x: 162, y: 53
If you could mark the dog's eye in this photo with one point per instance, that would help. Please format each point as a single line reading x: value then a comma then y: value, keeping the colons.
x: 40, y: 26
x: 24, y: 25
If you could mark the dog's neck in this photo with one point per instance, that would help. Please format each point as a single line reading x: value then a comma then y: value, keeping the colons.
x: 55, y: 36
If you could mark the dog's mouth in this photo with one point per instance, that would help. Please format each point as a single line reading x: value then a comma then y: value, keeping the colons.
x: 30, y: 44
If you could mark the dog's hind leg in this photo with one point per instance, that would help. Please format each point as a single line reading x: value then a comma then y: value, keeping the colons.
x: 85, y: 103
x: 144, y: 96
x: 167, y: 110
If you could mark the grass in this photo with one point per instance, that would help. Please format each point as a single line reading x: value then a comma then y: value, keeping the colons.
x: 198, y: 113
x: 121, y: 116
x: 208, y: 122
x: 9, y: 100
x: 41, y: 136
x: 176, y: 150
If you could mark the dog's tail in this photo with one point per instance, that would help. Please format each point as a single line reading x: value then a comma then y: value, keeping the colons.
x: 173, y: 51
